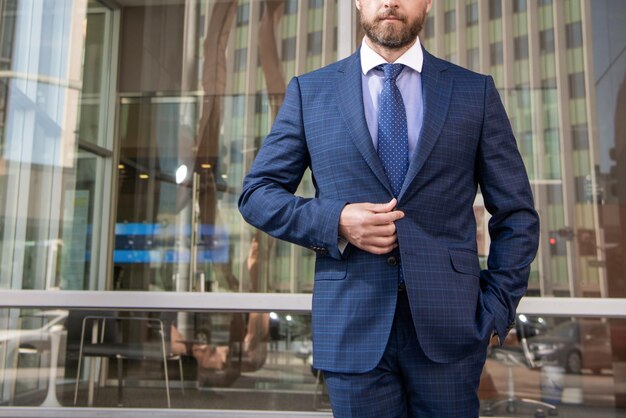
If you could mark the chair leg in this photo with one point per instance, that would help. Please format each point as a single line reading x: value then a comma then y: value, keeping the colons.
x: 182, y: 379
x: 80, y: 361
x: 92, y: 366
x: 319, y: 392
x: 119, y: 381
x: 167, y: 380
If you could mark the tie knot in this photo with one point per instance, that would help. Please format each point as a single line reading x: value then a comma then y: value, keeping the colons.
x: 391, y: 70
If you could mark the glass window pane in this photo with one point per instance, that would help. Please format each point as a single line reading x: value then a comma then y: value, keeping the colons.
x: 221, y: 360
x: 473, y: 59
x: 521, y: 47
x: 191, y: 111
x: 546, y: 41
x: 471, y: 14
x: 429, y: 27
x: 316, y: 4
x: 497, y: 53
x: 554, y: 361
x: 241, y: 56
x: 243, y: 14
x: 263, y: 361
x: 574, y: 32
x: 188, y: 134
x: 577, y: 85
x: 450, y: 21
x: 291, y: 7
x: 495, y: 9
x: 289, y: 49
x: 519, y: 6
x: 53, y: 171
x: 314, y: 43
x: 95, y: 76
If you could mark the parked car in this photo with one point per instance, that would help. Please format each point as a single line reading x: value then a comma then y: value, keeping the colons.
x: 575, y: 345
x: 531, y: 326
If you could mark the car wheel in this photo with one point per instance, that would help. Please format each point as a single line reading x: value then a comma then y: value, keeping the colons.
x: 573, y: 362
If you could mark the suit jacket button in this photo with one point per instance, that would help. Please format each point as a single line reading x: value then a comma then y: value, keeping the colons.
x: 392, y: 260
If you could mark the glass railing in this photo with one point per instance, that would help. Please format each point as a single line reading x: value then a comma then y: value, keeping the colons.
x: 258, y: 359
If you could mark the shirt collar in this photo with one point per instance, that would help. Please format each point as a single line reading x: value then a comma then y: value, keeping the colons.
x: 413, y: 57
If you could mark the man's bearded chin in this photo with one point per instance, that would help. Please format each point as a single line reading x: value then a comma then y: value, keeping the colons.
x: 387, y: 36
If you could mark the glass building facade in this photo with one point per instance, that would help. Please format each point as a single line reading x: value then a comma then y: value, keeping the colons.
x: 126, y: 127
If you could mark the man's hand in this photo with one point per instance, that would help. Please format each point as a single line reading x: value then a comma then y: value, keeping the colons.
x: 370, y: 226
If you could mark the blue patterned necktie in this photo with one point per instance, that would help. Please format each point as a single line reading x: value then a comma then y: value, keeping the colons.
x: 393, y: 137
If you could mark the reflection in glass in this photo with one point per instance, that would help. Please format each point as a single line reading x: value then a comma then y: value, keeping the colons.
x: 210, y: 116
x: 558, y: 67
x: 550, y: 364
x: 198, y: 86
x: 263, y: 361
x: 253, y: 360
x: 51, y: 181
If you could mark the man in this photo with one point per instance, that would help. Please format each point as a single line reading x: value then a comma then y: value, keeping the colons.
x: 402, y: 313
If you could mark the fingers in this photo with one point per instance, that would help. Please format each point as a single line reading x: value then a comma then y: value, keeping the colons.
x: 386, y: 218
x: 385, y: 230
x: 371, y: 226
x: 383, y: 213
x: 384, y: 207
x: 379, y: 240
x: 381, y: 250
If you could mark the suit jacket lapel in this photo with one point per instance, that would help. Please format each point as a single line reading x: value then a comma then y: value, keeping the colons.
x: 436, y: 93
x: 350, y: 98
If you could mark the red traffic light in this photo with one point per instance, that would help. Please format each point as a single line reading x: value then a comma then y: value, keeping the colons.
x: 552, y: 241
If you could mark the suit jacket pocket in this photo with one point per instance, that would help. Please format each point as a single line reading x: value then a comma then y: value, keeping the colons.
x: 465, y: 261
x: 328, y: 268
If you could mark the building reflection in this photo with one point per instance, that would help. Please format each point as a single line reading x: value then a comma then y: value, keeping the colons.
x: 125, y: 134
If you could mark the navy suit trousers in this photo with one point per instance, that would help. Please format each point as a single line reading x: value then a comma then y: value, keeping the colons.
x: 406, y: 383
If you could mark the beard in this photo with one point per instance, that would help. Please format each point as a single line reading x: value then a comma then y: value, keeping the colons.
x: 386, y: 35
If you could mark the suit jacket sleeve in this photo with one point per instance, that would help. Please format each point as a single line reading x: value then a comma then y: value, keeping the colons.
x: 514, y: 225
x: 268, y: 199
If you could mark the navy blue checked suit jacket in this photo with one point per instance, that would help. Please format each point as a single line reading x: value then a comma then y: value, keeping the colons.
x: 466, y: 141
